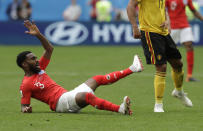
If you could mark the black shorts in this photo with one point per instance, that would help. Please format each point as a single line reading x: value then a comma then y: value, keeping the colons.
x: 158, y: 49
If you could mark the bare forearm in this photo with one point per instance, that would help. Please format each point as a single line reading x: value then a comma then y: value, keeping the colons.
x: 167, y: 17
x: 45, y: 43
x: 131, y: 11
x: 198, y: 15
x: 33, y: 30
x: 168, y: 22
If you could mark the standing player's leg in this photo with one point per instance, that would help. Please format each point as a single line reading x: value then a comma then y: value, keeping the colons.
x: 174, y: 58
x: 159, y: 86
x: 154, y: 50
x: 177, y: 76
x: 190, y: 60
x: 186, y: 38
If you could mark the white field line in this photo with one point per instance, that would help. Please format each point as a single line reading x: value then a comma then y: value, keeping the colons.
x: 7, y: 73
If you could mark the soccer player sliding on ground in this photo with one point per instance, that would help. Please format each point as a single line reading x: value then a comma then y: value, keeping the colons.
x: 37, y: 84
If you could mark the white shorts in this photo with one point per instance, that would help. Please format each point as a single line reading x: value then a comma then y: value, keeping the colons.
x: 182, y: 35
x: 67, y: 103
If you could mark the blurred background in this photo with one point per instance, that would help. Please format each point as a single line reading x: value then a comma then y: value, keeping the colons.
x: 52, y: 10
x: 74, y: 22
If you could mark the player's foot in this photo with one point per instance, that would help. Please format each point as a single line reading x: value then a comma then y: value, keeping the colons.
x: 125, y: 106
x: 183, y: 97
x: 137, y: 65
x: 191, y: 79
x: 158, y: 108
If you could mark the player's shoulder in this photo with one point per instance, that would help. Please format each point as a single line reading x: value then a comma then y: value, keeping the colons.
x: 26, y: 82
x: 24, y: 86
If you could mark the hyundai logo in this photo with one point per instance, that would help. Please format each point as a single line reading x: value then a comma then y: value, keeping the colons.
x: 66, y: 33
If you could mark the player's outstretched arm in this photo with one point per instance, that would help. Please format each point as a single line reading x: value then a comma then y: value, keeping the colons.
x: 197, y: 14
x: 26, y: 108
x: 33, y: 30
x: 131, y: 12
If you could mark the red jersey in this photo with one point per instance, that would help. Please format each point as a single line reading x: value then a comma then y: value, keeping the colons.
x: 41, y: 87
x: 176, y: 10
x: 93, y: 11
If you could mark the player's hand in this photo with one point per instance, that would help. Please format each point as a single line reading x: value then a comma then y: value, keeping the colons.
x: 136, y: 33
x: 27, y: 109
x: 33, y: 30
x: 166, y: 25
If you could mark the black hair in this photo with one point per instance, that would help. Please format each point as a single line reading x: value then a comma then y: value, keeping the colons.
x: 21, y: 57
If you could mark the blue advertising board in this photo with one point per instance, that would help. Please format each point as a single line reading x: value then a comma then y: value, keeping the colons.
x: 79, y: 33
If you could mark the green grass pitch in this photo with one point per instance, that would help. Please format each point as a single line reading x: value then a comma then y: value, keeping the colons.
x: 71, y: 66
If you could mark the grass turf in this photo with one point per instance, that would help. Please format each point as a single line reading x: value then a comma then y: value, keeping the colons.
x: 71, y: 66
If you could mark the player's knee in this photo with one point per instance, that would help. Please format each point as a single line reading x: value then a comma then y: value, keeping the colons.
x: 178, y: 66
x: 161, y: 68
x: 92, y: 83
x: 80, y: 99
x: 189, y: 46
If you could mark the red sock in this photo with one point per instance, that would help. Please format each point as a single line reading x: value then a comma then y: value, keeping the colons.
x: 111, y: 77
x: 100, y: 103
x: 190, y: 62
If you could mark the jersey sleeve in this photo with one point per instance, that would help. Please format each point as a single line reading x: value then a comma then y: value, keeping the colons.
x: 25, y: 95
x: 191, y: 6
x: 43, y: 62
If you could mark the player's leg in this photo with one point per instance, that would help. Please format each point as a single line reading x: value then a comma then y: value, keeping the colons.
x: 177, y: 76
x: 175, y: 34
x: 112, y: 77
x: 159, y: 86
x: 186, y: 38
x: 83, y: 95
x: 177, y: 73
x: 190, y: 60
x: 85, y: 98
x: 154, y: 50
x: 174, y: 58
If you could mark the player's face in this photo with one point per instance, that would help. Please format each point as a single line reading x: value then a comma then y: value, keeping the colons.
x: 33, y: 63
